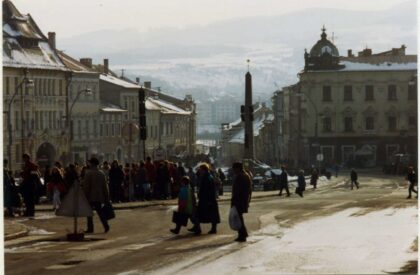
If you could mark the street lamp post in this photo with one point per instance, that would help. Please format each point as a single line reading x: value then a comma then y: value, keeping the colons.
x: 28, y: 83
x: 69, y: 122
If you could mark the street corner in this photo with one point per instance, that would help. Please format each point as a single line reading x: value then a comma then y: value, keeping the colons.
x: 14, y: 230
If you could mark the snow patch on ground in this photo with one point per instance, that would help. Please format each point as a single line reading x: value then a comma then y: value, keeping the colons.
x: 377, y: 242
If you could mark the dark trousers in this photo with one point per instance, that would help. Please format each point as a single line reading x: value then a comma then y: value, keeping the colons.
x: 284, y: 186
x: 97, y: 207
x: 242, y: 232
x: 355, y: 183
x: 29, y: 201
x: 411, y: 189
x: 114, y: 192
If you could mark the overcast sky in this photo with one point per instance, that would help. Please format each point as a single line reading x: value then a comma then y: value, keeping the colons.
x: 69, y: 18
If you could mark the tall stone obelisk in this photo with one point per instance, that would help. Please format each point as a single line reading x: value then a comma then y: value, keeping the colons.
x: 249, y: 117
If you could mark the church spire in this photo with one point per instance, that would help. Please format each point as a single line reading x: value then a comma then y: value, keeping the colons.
x: 323, y: 34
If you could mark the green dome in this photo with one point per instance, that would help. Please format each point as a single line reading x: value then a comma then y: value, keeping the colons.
x: 324, y: 46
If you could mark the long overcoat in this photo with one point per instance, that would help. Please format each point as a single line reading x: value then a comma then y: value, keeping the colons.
x: 95, y: 187
x: 241, y: 192
x: 208, y: 209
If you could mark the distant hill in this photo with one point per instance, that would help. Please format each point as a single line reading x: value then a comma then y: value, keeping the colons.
x: 205, y: 60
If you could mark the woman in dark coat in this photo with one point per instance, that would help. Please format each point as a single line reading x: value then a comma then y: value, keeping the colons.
x: 208, y: 209
x: 301, y: 184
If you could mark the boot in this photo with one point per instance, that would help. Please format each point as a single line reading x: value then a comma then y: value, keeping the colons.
x: 176, y: 229
x: 213, y: 229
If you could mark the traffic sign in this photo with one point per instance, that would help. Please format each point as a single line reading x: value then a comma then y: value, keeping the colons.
x: 320, y: 157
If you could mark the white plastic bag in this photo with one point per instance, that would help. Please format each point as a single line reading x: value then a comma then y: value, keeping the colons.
x: 234, y: 220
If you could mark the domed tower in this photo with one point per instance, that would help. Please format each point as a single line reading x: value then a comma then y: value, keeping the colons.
x: 323, y: 55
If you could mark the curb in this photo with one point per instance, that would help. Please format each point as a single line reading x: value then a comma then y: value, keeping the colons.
x: 20, y: 234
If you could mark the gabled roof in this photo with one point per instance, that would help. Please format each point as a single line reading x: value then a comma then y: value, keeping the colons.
x: 41, y: 57
x: 24, y: 44
x: 74, y: 65
x: 16, y: 24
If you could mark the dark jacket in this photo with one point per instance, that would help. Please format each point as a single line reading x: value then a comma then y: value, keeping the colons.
x: 353, y: 175
x: 30, y: 180
x: 208, y: 209
x: 141, y: 176
x: 95, y: 186
x: 301, y: 182
x: 116, y: 176
x: 241, y: 192
x: 412, y: 177
x: 314, y: 177
x: 283, y: 178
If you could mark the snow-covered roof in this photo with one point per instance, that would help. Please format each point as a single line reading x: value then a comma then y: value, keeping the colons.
x: 74, y: 64
x: 239, y: 120
x: 41, y: 57
x: 386, y: 66
x: 111, y: 108
x: 118, y: 81
x: 165, y: 107
x: 258, y: 123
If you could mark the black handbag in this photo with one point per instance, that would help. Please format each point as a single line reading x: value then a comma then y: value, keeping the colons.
x: 108, y: 211
x: 179, y: 218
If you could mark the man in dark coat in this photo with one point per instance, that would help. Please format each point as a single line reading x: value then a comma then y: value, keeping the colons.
x: 412, y: 179
x: 314, y: 177
x: 353, y: 178
x: 97, y: 193
x: 284, y: 182
x: 241, y: 196
x: 116, y: 179
x: 208, y: 209
x: 30, y: 176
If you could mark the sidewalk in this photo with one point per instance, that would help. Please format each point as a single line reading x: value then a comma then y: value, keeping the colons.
x: 14, y: 230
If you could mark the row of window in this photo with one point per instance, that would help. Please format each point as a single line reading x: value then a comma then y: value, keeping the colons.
x: 369, y: 123
x: 42, y: 86
x: 40, y: 120
x: 106, y: 130
x: 369, y: 93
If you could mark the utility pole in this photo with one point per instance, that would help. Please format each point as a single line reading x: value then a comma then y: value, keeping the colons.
x: 142, y: 121
x: 22, y: 124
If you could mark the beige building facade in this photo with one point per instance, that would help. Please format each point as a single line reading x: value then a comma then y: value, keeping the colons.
x: 34, y: 91
x: 354, y: 110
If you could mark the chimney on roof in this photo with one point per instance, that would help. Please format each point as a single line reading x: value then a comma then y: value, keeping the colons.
x: 86, y: 61
x: 106, y: 66
x: 138, y: 80
x: 148, y: 84
x: 399, y: 51
x: 349, y: 53
x: 51, y: 39
x: 402, y: 50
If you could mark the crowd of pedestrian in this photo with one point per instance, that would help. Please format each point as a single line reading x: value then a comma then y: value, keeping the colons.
x: 197, y: 190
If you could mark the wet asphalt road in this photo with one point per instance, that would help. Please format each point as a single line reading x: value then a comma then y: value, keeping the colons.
x: 139, y: 240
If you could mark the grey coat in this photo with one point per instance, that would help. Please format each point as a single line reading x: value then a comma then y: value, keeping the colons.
x: 95, y: 186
